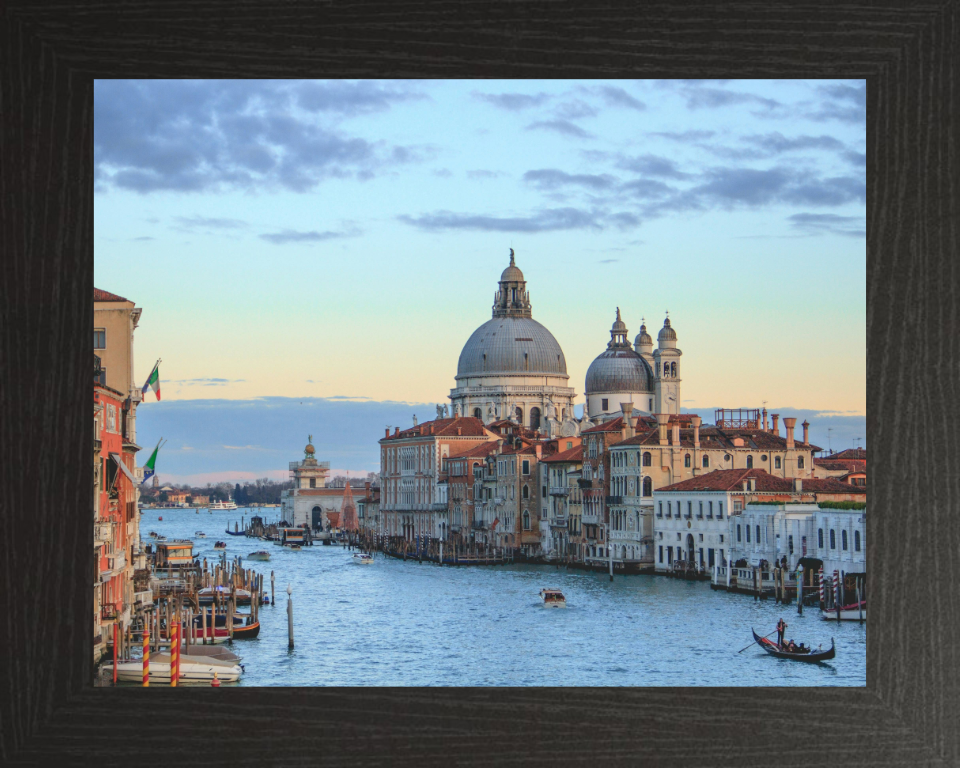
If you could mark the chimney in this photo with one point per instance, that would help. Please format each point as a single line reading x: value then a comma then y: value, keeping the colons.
x: 744, y: 485
x: 764, y: 419
x: 459, y: 431
x: 675, y: 436
x: 752, y: 483
x: 539, y: 449
x: 776, y: 423
x: 499, y: 445
x: 387, y: 432
x: 627, y: 429
x: 696, y: 421
x: 806, y: 431
x: 662, y: 419
x: 396, y: 431
x: 789, y: 423
x: 797, y: 485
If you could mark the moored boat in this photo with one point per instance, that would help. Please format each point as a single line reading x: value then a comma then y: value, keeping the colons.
x: 260, y: 554
x: 205, y: 595
x: 192, y: 669
x: 244, y: 627
x: 852, y: 612
x: 363, y: 558
x: 553, y: 598
x: 803, y: 654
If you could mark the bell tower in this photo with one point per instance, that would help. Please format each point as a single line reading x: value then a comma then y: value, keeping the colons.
x: 666, y: 370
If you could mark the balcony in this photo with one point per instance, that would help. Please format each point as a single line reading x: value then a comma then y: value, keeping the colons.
x: 614, y: 500
x: 590, y: 519
x: 687, y: 516
x: 478, y: 525
x: 438, y: 506
x: 558, y: 522
x: 560, y: 490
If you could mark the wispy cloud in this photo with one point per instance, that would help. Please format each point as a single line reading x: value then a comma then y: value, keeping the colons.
x: 205, y: 222
x: 206, y: 382
x: 292, y: 236
x: 552, y: 178
x: 828, y: 223
x: 617, y: 97
x: 684, y: 136
x: 845, y: 103
x: 513, y: 102
x: 653, y: 165
x: 543, y: 221
x: 241, y: 447
x: 563, y: 127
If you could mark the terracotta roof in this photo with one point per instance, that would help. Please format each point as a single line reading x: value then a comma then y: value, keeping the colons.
x: 614, y: 425
x: 732, y: 480
x: 573, y: 454
x: 99, y: 295
x: 859, y: 454
x: 469, y: 427
x: 476, y: 452
x: 721, y: 439
x: 832, y: 465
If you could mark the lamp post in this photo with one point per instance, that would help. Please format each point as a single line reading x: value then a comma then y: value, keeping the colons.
x: 289, y: 617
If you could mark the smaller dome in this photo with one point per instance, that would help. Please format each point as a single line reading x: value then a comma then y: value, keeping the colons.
x: 512, y: 274
x: 643, y: 338
x: 667, y: 333
x: 618, y: 324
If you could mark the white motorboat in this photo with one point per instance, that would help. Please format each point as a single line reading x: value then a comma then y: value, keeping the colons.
x: 221, y: 505
x: 363, y: 558
x: 192, y: 669
x: 200, y: 535
x: 553, y: 598
x: 852, y: 612
x: 260, y: 554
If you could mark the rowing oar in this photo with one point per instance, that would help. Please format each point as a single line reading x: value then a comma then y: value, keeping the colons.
x: 745, y: 647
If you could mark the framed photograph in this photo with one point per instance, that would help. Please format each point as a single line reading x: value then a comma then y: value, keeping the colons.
x: 741, y: 152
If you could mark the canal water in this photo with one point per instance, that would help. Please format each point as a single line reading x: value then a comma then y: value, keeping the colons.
x: 397, y: 623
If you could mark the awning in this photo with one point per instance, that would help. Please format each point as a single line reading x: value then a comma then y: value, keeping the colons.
x: 124, y: 468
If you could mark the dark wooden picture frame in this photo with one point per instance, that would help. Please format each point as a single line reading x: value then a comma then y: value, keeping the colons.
x: 908, y: 714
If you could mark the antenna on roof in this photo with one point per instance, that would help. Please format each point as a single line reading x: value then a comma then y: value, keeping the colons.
x: 829, y: 444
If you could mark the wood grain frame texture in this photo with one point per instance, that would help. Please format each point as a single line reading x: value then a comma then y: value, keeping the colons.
x: 909, y: 713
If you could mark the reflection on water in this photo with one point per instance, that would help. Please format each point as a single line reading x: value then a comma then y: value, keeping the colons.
x: 412, y: 624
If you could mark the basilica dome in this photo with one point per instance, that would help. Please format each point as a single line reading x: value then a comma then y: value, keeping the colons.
x: 511, y: 345
x: 619, y: 368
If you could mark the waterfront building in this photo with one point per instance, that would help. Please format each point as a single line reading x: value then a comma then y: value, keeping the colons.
x: 368, y: 508
x: 701, y: 521
x: 464, y: 473
x: 310, y: 501
x: 513, y: 367
x: 849, y: 466
x: 413, y: 502
x: 561, y: 501
x: 595, y: 484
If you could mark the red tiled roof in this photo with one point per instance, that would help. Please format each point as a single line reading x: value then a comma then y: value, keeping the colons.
x: 832, y: 465
x: 831, y: 485
x: 614, y: 425
x: 732, y: 480
x: 573, y: 454
x: 858, y: 454
x: 720, y: 439
x: 469, y: 427
x: 99, y: 295
x: 476, y: 452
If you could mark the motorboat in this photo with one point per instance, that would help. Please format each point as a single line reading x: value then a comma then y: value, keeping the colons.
x: 294, y: 547
x: 220, y: 545
x: 200, y: 535
x: 192, y: 669
x: 800, y: 654
x: 218, y: 652
x: 244, y: 626
x: 852, y: 612
x: 260, y: 554
x: 553, y: 598
x: 363, y: 558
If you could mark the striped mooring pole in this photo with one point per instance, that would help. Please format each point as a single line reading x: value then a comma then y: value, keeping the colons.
x: 822, y: 590
x: 174, y: 653
x: 836, y: 591
x: 146, y: 658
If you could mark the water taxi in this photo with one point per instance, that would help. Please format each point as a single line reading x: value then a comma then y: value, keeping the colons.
x: 363, y: 558
x: 200, y: 535
x: 553, y: 598
x: 220, y: 545
x: 191, y: 670
x: 260, y: 554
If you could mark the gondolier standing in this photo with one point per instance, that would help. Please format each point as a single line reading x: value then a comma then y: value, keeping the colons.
x: 781, y: 629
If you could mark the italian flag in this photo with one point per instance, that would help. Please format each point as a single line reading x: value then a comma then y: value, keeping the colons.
x: 153, y: 381
x: 149, y: 468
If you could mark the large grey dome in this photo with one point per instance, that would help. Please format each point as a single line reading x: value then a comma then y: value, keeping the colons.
x: 619, y: 370
x: 511, y: 345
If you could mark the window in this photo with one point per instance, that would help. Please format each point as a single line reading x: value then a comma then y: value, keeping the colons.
x: 526, y: 466
x: 647, y: 486
x: 706, y: 462
x: 749, y: 462
x: 526, y: 521
x: 661, y: 553
x: 843, y: 540
x: 603, y: 404
x: 669, y: 508
x: 569, y: 445
x: 99, y: 338
x: 721, y: 539
x: 710, y: 509
x: 101, y: 377
x: 647, y: 459
x: 701, y: 537
x: 720, y: 513
x: 526, y: 492
x: 660, y: 509
x: 758, y: 534
x: 673, y: 370
x: 650, y: 407
x: 313, y: 482
x: 739, y: 537
x: 686, y: 461
x: 820, y: 538
x: 833, y: 539
x: 748, y: 533
x: 700, y: 514
x: 544, y: 494
x: 799, y: 462
x: 856, y: 541
x: 790, y: 544
x: 689, y: 508
x: 484, y: 361
x: 477, y: 413
x: 776, y: 462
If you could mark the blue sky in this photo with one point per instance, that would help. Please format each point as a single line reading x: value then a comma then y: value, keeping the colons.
x: 343, y: 239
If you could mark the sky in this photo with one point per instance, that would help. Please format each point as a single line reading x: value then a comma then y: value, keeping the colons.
x: 335, y: 243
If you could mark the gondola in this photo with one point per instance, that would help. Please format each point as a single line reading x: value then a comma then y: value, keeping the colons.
x: 775, y: 650
x: 235, y: 533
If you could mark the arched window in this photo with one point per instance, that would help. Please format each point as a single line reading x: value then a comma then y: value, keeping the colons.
x: 820, y: 538
x: 477, y: 413
x: 776, y: 462
x: 686, y: 461
x: 673, y: 370
x: 790, y: 544
x: 647, y: 459
x: 647, y: 486
x: 519, y: 415
x: 706, y: 462
x: 843, y: 540
x: 484, y: 361
x: 749, y: 462
x: 534, y: 418
x: 856, y: 540
x: 526, y: 521
x: 833, y: 539
x: 526, y: 492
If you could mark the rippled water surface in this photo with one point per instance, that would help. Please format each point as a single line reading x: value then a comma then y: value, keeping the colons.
x: 412, y: 624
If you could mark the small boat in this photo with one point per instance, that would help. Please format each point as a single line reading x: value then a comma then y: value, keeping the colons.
x: 808, y: 654
x: 218, y: 652
x: 192, y: 669
x: 553, y: 598
x: 852, y: 612
x: 244, y: 627
x: 154, y: 535
x: 220, y: 545
x: 200, y: 535
x: 363, y: 558
x: 205, y: 595
x: 260, y: 554
x: 294, y: 547
x: 236, y: 533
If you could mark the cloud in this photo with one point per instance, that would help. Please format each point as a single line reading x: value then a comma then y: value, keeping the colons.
x: 653, y: 165
x: 608, y: 261
x: 513, y: 102
x: 845, y: 103
x: 776, y: 143
x: 563, y: 127
x: 240, y: 447
x: 684, y: 136
x: 192, y: 222
x: 551, y: 178
x: 858, y: 159
x: 194, y: 136
x: 828, y: 223
x: 617, y: 97
x: 292, y: 236
x: 647, y: 188
x: 727, y: 186
x: 206, y: 382
x: 481, y: 174
x: 574, y: 110
x: 702, y: 97
x: 549, y: 220
x: 143, y: 239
